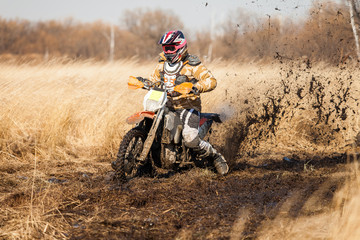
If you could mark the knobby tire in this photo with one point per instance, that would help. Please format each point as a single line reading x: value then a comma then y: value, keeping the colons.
x: 127, y: 165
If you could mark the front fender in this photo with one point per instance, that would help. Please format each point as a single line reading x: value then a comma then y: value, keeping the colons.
x: 139, y: 116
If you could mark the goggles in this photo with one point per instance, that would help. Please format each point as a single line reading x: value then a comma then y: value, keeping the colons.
x: 169, y: 49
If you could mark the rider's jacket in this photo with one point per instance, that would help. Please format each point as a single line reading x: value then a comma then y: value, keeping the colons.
x: 190, y: 69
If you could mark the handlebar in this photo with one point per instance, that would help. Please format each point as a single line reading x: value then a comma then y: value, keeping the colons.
x: 139, y: 82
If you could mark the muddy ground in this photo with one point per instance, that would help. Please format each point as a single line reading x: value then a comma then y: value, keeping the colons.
x: 197, y: 203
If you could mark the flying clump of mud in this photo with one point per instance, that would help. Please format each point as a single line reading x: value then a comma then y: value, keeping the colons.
x: 303, y: 111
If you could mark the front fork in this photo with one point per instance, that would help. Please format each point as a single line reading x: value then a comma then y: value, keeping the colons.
x: 151, y: 135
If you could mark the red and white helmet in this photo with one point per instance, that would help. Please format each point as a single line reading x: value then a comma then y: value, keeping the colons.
x: 174, y: 45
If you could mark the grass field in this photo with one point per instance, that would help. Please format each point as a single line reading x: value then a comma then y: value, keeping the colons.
x: 61, y: 124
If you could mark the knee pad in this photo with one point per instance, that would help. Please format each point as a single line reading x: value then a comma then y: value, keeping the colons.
x: 191, y: 137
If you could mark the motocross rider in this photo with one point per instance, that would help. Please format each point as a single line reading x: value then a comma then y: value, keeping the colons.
x: 175, y: 67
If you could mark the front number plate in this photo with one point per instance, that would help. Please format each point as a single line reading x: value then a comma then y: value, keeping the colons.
x: 156, y: 95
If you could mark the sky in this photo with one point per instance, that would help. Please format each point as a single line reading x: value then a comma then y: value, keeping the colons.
x: 195, y: 14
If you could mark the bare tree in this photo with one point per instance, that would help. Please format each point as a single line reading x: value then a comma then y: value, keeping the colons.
x: 111, y: 40
x: 354, y: 14
x: 149, y: 26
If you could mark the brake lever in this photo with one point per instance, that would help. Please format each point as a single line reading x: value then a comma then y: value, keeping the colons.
x: 147, y: 83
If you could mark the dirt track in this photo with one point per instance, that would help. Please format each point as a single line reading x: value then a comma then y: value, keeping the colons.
x: 55, y: 176
x: 198, y: 204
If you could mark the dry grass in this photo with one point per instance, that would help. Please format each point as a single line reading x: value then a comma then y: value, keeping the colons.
x: 347, y: 207
x: 340, y: 221
x: 62, y: 107
x: 52, y: 115
x: 59, y: 120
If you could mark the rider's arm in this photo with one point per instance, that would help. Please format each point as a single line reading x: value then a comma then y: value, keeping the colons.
x: 206, y: 81
x: 155, y: 75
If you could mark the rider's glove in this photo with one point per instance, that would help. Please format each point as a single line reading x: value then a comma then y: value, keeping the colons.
x: 140, y: 79
x: 143, y: 80
x: 195, y: 90
x: 174, y: 94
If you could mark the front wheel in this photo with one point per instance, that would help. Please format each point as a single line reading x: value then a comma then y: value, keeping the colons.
x: 127, y: 165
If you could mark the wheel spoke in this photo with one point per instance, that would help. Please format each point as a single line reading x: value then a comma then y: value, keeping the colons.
x: 138, y: 147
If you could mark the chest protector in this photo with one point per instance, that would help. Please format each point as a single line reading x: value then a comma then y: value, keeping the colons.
x: 171, y: 74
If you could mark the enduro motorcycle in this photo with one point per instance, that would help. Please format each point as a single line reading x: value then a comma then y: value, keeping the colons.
x: 156, y: 140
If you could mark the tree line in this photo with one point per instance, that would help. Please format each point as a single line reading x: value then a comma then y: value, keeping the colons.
x: 326, y: 35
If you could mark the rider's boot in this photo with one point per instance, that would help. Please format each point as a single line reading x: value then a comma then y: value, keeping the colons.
x: 206, y: 150
x: 220, y: 164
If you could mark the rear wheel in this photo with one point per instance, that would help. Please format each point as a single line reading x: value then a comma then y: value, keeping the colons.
x: 127, y: 164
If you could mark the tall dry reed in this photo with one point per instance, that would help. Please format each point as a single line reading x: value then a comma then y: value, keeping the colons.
x: 62, y: 107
